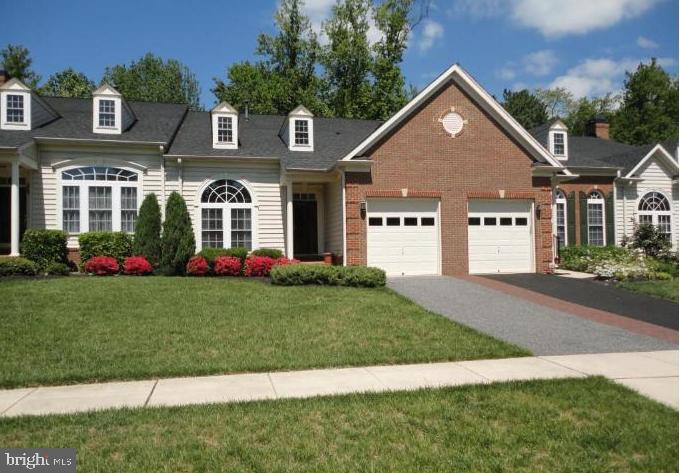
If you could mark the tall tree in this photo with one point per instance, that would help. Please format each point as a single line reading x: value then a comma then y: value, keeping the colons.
x: 584, y: 109
x: 558, y: 101
x: 151, y: 79
x: 17, y: 61
x: 649, y: 109
x: 68, y: 83
x: 525, y: 107
x: 286, y: 75
x: 389, y: 91
x: 347, y: 59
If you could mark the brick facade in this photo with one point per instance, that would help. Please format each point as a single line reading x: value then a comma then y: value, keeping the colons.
x: 604, y: 184
x: 419, y: 158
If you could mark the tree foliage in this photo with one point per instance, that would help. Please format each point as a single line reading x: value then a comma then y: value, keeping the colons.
x: 17, y: 61
x: 525, y: 107
x: 649, y: 109
x: 151, y: 79
x: 68, y: 83
x: 585, y: 109
x: 558, y: 101
x: 147, y: 240
x: 177, y: 242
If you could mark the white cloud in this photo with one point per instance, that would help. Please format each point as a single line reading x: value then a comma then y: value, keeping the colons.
x: 555, y: 18
x: 506, y: 73
x: 432, y: 31
x: 646, y: 43
x: 599, y: 76
x: 319, y: 11
x: 540, y: 63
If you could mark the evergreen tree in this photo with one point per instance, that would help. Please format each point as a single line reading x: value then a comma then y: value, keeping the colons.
x: 525, y: 107
x: 148, y: 231
x: 16, y: 61
x: 177, y: 241
x: 649, y: 110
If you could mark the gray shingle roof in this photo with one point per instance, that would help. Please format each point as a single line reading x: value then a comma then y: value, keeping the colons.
x: 259, y: 137
x: 156, y: 123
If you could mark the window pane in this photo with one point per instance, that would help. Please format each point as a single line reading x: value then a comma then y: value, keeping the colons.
x: 241, y: 234
x: 474, y: 221
x: 301, y: 132
x: 505, y: 221
x: 225, y: 132
x: 212, y: 235
x: 71, y: 209
x: 100, y: 209
x: 15, y: 108
x: 560, y: 223
x: 665, y: 225
x: 128, y: 209
x: 427, y: 221
x: 410, y: 221
x: 646, y: 220
x: 490, y: 221
x: 520, y: 221
x: 375, y: 221
x: 393, y: 221
x: 107, y: 113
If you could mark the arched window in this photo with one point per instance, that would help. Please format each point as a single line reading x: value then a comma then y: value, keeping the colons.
x: 595, y: 219
x: 230, y: 198
x: 561, y: 217
x: 654, y: 209
x: 99, y: 198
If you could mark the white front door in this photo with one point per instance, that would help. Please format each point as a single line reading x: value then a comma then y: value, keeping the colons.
x: 500, y: 236
x: 403, y: 236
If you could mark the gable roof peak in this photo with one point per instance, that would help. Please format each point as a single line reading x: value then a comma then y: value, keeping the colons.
x: 224, y: 107
x: 300, y: 111
x: 106, y: 89
x: 14, y: 84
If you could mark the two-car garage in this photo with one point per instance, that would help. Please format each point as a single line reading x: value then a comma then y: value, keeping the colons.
x: 404, y: 236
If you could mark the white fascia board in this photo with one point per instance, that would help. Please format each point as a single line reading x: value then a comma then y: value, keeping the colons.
x: 485, y: 100
x: 662, y: 152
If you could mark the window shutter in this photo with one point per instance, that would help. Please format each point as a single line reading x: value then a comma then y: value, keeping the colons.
x: 571, y: 219
x: 583, y: 207
x: 609, y: 217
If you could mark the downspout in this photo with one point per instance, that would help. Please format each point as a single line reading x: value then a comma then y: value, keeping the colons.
x: 344, y: 219
x: 618, y: 174
x: 180, y: 176
x: 162, y: 182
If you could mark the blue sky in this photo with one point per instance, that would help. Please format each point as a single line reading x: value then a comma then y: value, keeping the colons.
x: 584, y: 45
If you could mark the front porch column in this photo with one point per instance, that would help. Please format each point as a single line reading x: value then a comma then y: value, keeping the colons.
x: 289, y: 219
x: 14, y: 210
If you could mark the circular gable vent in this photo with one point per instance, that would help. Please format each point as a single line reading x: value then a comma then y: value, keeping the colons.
x: 452, y: 122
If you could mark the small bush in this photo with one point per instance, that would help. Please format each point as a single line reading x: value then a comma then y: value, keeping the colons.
x: 17, y: 266
x: 303, y: 274
x: 227, y: 266
x: 197, y: 266
x: 57, y: 269
x: 102, y: 266
x: 177, y: 242
x: 270, y: 252
x: 258, y: 266
x: 117, y: 245
x: 649, y: 239
x: 211, y: 253
x: 137, y: 266
x: 147, y: 241
x: 44, y: 246
x: 586, y: 258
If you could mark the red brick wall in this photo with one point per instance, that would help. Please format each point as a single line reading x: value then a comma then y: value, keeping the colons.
x: 604, y: 184
x: 421, y: 157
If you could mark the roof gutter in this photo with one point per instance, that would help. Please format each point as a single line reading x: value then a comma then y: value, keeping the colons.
x: 46, y: 139
x: 222, y: 158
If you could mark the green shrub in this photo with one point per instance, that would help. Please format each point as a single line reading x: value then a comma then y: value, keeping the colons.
x: 586, y: 258
x: 649, y: 239
x: 270, y: 252
x: 17, y: 266
x: 667, y: 266
x: 114, y: 244
x: 177, y: 242
x: 303, y: 274
x: 57, y: 269
x: 44, y: 246
x: 211, y: 253
x: 147, y: 241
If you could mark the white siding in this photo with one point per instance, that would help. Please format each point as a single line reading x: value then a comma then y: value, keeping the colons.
x: 261, y: 178
x: 333, y: 217
x: 656, y: 178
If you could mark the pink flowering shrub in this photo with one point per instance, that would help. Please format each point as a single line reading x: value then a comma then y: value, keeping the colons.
x: 137, y: 266
x: 197, y: 266
x: 101, y: 266
x: 227, y: 266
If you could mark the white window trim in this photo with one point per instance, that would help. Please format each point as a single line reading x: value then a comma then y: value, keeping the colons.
x: 26, y: 124
x: 226, y: 214
x: 118, y: 110
x: 551, y: 135
x: 84, y: 197
x: 600, y: 201
x: 291, y: 134
x: 655, y: 213
x: 561, y: 199
x: 234, y: 131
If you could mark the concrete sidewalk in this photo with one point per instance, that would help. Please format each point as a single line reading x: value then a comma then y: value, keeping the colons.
x: 653, y: 374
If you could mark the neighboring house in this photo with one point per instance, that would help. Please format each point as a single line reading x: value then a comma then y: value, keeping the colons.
x: 450, y: 184
x: 615, y: 186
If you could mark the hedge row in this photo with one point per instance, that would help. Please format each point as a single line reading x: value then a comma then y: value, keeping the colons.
x: 304, y: 274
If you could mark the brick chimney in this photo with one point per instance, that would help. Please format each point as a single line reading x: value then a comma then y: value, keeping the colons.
x: 598, y: 127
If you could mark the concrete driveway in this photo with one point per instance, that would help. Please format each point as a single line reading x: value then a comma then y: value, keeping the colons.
x: 542, y: 324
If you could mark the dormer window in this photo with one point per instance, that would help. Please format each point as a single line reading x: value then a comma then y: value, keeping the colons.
x: 107, y: 113
x: 15, y: 108
x: 300, y: 130
x: 557, y: 140
x: 224, y: 126
x: 558, y: 144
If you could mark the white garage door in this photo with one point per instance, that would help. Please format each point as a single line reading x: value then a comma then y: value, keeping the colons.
x: 403, y: 236
x: 500, y: 236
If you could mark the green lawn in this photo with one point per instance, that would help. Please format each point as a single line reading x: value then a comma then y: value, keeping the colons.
x: 80, y: 329
x: 587, y: 425
x: 664, y: 289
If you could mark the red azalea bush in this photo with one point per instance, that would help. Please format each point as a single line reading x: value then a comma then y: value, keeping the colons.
x: 258, y: 266
x: 137, y: 266
x: 197, y: 266
x: 101, y: 266
x: 283, y: 261
x: 227, y: 266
